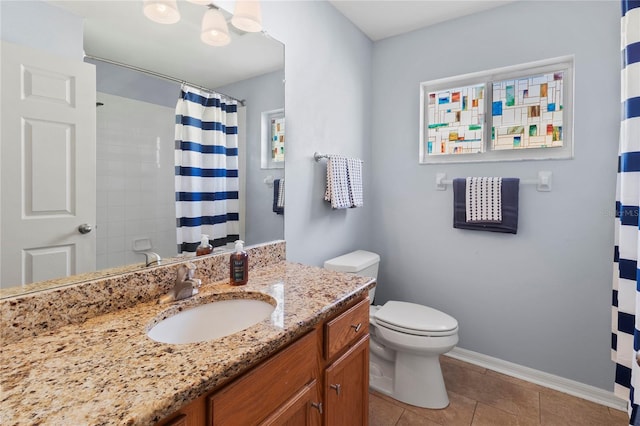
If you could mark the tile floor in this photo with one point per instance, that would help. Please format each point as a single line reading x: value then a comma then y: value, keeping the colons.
x: 480, y: 397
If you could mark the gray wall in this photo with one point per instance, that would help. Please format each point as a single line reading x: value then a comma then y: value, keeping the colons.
x: 42, y: 26
x: 540, y: 298
x: 262, y: 93
x: 328, y: 103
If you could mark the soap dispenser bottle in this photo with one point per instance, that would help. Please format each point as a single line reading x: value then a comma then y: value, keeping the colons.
x: 239, y: 265
x: 204, y: 247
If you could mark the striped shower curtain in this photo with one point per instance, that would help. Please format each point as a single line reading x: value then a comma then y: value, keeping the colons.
x: 625, y: 342
x: 206, y: 168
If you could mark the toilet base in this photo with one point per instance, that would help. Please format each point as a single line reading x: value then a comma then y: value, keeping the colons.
x: 421, y: 376
x: 423, y: 381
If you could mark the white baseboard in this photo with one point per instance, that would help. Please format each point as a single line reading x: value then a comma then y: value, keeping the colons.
x: 571, y: 387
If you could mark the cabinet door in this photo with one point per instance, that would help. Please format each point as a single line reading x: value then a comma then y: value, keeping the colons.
x: 192, y: 414
x: 252, y: 398
x: 303, y: 409
x: 346, y: 392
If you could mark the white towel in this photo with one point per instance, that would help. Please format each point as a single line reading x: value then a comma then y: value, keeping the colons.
x: 484, y: 199
x: 354, y: 174
x: 337, y: 182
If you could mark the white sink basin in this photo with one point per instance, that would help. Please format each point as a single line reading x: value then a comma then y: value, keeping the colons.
x: 211, y: 321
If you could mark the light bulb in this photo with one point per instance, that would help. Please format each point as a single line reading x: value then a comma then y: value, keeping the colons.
x: 162, y: 11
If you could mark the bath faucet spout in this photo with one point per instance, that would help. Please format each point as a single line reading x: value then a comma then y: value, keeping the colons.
x: 151, y: 258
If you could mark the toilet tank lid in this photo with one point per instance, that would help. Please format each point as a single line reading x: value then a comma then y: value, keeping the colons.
x: 352, y: 262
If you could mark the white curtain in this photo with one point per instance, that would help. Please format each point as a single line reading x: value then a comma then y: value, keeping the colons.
x: 206, y: 160
x: 625, y: 341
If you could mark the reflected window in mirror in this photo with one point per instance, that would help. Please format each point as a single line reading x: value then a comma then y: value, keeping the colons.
x: 273, y: 138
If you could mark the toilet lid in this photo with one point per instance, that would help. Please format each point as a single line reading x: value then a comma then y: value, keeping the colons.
x: 415, y: 319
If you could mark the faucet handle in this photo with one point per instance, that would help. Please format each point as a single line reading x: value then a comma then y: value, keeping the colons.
x: 186, y: 271
x: 191, y: 270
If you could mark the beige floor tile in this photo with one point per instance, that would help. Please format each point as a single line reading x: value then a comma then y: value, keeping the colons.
x: 516, y: 381
x: 492, y: 390
x: 383, y: 412
x: 458, y: 413
x: 557, y: 408
x: 489, y: 416
x: 473, y: 367
x: 409, y: 418
x: 618, y: 415
x: 479, y: 397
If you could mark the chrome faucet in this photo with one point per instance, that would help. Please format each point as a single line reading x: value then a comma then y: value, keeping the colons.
x: 151, y: 258
x: 185, y: 286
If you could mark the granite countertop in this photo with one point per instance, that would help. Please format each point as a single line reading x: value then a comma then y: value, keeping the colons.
x: 107, y: 371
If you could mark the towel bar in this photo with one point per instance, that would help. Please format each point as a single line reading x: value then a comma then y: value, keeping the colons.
x: 543, y: 182
x: 317, y: 156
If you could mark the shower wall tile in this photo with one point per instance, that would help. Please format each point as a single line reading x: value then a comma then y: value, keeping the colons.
x: 135, y: 179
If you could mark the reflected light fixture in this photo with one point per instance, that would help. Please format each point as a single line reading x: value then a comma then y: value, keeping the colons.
x: 215, y: 31
x: 161, y: 11
x: 247, y: 16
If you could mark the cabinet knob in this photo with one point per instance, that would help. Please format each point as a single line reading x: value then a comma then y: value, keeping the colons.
x: 317, y: 405
x: 356, y: 327
x: 337, y: 387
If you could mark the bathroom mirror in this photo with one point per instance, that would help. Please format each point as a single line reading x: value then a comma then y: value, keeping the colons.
x: 250, y: 68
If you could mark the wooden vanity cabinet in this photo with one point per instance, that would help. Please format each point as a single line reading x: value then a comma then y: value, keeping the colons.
x: 346, y: 372
x: 287, y: 381
x: 320, y: 379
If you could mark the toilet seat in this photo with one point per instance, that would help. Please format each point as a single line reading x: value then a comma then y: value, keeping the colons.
x: 411, y: 318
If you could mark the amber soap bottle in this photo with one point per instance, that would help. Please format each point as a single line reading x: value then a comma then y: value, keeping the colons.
x: 239, y: 265
x: 204, y: 247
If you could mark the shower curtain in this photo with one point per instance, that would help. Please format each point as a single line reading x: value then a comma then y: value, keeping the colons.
x: 206, y: 169
x: 625, y: 342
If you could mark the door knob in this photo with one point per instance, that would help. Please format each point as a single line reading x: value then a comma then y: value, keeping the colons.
x: 85, y: 228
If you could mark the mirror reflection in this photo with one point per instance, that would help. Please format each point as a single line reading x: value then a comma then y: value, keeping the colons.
x: 149, y: 79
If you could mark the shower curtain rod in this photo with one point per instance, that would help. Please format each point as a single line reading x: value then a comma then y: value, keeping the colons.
x: 163, y: 76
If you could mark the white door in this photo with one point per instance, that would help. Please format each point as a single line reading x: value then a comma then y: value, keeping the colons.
x: 47, y: 166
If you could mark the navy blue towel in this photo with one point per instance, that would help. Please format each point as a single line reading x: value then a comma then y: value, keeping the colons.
x: 509, y: 224
x: 276, y: 193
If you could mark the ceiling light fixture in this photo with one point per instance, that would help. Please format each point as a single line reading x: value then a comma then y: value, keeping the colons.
x: 214, y: 28
x: 161, y: 11
x: 247, y: 16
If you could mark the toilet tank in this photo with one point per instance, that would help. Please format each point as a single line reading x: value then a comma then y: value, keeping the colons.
x: 359, y: 262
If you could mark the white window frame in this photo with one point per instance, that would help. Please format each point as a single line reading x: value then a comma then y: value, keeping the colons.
x: 563, y: 64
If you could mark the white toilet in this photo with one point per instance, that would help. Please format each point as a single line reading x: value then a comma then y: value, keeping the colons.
x: 406, y: 341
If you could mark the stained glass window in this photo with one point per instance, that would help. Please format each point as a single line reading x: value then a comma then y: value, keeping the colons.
x: 513, y: 113
x: 456, y: 121
x: 528, y: 112
x: 277, y: 139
